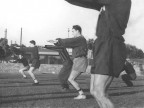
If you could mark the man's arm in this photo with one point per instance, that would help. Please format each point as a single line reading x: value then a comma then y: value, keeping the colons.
x: 62, y: 51
x: 52, y: 47
x: 92, y: 4
x: 27, y: 49
x: 69, y: 42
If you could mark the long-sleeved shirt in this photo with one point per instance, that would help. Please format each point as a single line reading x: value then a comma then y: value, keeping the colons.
x: 33, y: 51
x: 78, y: 45
x: 62, y: 52
x: 113, y: 17
x: 24, y: 61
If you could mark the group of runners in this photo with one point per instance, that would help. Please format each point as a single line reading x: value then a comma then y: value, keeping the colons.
x: 72, y: 68
x: 109, y: 51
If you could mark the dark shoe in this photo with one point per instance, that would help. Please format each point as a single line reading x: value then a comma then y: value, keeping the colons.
x: 35, y: 84
x: 65, y: 89
x: 127, y: 81
x: 24, y: 77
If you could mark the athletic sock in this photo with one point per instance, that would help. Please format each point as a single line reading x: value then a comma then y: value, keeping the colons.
x: 24, y: 76
x: 80, y: 92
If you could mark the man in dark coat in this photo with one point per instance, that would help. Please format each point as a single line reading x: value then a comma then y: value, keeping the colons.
x: 109, y: 50
x: 67, y: 65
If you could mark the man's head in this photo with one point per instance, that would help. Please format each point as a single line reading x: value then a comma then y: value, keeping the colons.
x: 32, y: 43
x: 76, y: 30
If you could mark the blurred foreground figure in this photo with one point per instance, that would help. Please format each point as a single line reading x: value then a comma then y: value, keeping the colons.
x: 109, y: 50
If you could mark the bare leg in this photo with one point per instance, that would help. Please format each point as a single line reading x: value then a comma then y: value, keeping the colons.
x: 107, y: 85
x: 92, y: 84
x: 100, y: 86
x: 71, y: 79
x: 22, y: 71
x: 92, y: 88
x: 30, y: 71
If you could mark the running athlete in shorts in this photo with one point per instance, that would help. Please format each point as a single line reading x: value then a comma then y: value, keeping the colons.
x: 79, y: 53
x: 34, y: 60
x: 25, y: 63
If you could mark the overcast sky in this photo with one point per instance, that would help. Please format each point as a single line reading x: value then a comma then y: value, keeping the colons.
x: 42, y: 20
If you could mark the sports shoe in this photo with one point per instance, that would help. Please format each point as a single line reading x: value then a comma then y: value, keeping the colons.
x: 127, y: 81
x: 65, y: 89
x: 35, y: 84
x: 24, y: 77
x: 80, y: 97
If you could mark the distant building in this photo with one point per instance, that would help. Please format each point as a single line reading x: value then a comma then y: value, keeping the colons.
x: 48, y: 56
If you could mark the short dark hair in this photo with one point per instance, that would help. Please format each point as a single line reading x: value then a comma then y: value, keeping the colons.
x: 33, y: 42
x: 77, y: 27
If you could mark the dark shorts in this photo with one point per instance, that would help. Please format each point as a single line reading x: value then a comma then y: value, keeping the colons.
x: 35, y: 63
x: 25, y: 68
x: 109, y: 57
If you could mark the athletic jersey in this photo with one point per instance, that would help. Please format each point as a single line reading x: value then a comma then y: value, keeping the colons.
x: 24, y: 61
x: 62, y: 52
x: 78, y: 45
x: 33, y: 51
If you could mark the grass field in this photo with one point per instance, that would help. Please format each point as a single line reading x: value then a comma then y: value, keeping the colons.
x: 16, y: 92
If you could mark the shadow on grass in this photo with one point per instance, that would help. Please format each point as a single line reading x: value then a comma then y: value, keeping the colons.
x: 30, y: 85
x: 89, y: 96
x: 24, y: 95
x: 119, y: 93
x: 35, y: 99
x: 125, y: 87
x: 60, y: 97
x: 126, y: 93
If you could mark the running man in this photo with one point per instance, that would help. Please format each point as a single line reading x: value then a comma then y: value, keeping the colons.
x: 25, y: 63
x: 67, y: 66
x: 34, y: 60
x: 79, y: 53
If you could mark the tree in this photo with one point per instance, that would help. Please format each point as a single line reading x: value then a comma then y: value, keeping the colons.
x: 134, y: 52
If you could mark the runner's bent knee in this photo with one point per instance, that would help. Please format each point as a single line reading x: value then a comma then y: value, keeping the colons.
x: 73, y: 75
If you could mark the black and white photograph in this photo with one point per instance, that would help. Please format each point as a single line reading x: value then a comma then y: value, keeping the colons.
x: 71, y: 54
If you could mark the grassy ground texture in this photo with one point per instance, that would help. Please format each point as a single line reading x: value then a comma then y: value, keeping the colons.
x: 16, y: 92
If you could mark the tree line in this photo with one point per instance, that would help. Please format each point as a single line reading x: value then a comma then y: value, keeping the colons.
x: 132, y: 51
